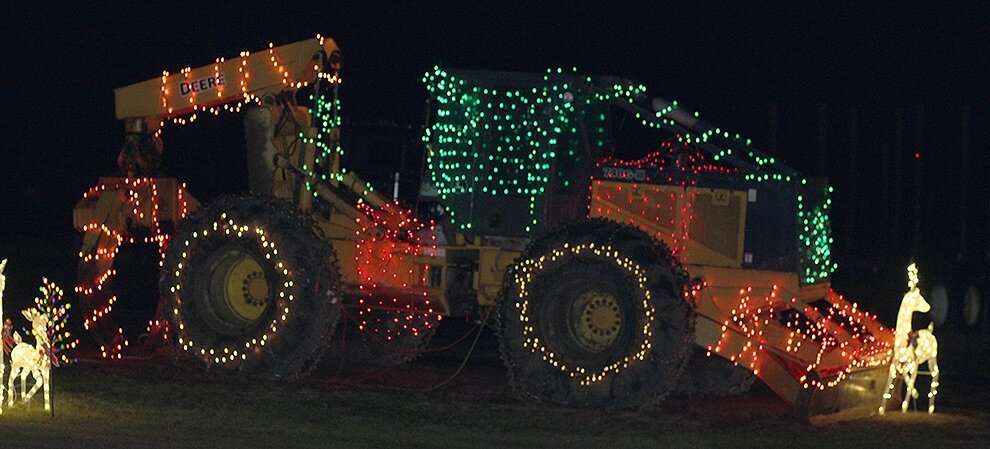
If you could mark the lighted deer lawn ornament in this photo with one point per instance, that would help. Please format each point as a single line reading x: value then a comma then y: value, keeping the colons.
x: 34, y: 360
x: 912, y: 348
x: 3, y: 348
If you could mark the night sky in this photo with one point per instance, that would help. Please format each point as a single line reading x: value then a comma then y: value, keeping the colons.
x: 735, y: 64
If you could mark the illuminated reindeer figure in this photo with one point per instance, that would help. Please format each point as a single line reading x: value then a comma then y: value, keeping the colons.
x: 912, y: 348
x: 35, y: 360
x: 3, y: 346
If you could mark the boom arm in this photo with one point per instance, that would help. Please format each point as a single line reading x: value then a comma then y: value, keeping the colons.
x: 244, y: 78
x: 145, y: 106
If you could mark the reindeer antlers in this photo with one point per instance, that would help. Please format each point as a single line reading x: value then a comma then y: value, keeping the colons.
x: 31, y: 314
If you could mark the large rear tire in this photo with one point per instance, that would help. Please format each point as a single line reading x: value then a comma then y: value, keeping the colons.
x: 596, y: 314
x: 248, y: 285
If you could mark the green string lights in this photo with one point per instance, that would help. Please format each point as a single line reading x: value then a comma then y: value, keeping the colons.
x: 326, y: 116
x: 815, y: 238
x: 502, y: 137
x: 522, y: 137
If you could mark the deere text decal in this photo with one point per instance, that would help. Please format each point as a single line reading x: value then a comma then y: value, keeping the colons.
x: 201, y: 85
x: 623, y: 173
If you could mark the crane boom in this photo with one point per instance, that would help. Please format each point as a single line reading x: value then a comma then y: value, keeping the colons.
x: 247, y: 76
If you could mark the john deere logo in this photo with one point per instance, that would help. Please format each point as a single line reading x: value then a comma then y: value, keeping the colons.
x: 201, y: 85
x: 624, y: 173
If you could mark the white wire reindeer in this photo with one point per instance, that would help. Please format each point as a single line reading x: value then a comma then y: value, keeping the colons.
x: 912, y: 348
x: 3, y: 355
x: 34, y: 360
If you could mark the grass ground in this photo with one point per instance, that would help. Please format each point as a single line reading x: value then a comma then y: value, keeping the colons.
x: 158, y: 404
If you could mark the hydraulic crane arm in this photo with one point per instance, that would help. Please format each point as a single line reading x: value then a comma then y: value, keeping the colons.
x: 243, y: 78
x: 227, y: 83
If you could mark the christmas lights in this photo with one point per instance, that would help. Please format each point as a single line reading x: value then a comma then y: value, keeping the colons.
x: 248, y: 284
x: 50, y: 304
x: 235, y: 352
x: 664, y: 212
x: 844, y: 329
x: 326, y: 117
x: 48, y: 320
x: 141, y: 206
x: 31, y: 360
x: 3, y: 325
x: 750, y: 318
x: 815, y: 237
x: 394, y: 304
x: 912, y: 348
x: 217, y: 88
x: 516, y: 135
x: 498, y: 141
x: 525, y: 273
x: 835, y: 331
x: 594, y: 305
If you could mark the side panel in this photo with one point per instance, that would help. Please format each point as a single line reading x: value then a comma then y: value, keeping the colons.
x: 703, y: 226
x: 771, y: 222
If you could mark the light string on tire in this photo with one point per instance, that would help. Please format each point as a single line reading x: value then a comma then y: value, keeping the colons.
x: 523, y: 276
x: 239, y: 352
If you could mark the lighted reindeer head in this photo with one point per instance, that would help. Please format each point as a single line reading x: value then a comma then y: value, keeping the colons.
x: 39, y: 322
x: 913, y: 301
x: 3, y: 279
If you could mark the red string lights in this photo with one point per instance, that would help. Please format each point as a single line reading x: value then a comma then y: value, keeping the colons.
x: 394, y: 301
x: 663, y: 211
x: 831, y: 338
x: 140, y: 203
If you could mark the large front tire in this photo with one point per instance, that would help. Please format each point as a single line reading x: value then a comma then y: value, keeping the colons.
x: 248, y: 285
x: 596, y: 314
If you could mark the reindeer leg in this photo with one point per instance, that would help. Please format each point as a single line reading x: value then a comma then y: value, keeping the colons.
x: 3, y: 370
x: 24, y: 378
x: 38, y: 383
x: 890, y: 387
x: 911, y: 392
x: 48, y: 397
x: 933, y: 367
x: 906, y: 379
x: 10, y: 387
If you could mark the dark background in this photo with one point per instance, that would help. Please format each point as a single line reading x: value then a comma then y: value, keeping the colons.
x: 786, y: 75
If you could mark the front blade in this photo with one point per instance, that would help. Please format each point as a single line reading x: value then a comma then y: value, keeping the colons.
x: 856, y: 396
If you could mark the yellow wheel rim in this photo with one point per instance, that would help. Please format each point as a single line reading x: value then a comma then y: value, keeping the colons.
x: 596, y: 320
x: 246, y: 290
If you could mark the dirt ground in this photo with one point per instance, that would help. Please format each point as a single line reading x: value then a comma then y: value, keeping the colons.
x: 158, y: 403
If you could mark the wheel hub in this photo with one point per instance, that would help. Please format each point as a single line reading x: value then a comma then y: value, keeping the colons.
x: 596, y: 320
x: 256, y: 291
x: 246, y: 289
